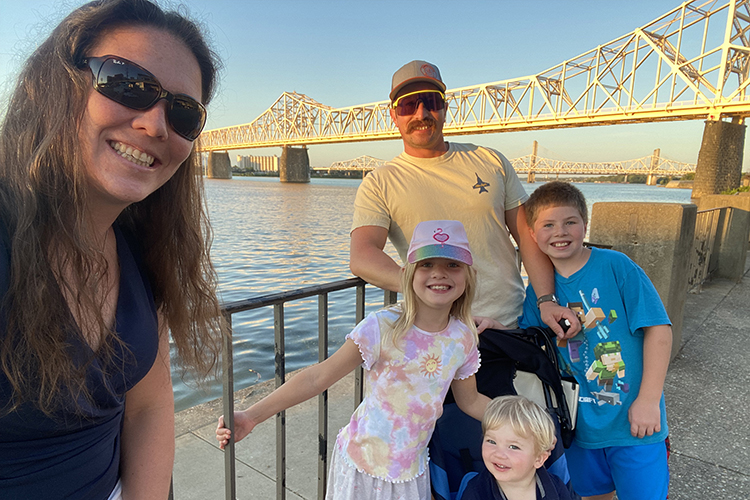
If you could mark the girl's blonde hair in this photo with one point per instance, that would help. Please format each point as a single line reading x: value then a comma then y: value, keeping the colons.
x: 526, y: 418
x: 407, y: 308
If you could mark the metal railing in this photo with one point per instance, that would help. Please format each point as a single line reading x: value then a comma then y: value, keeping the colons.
x: 277, y: 301
x: 702, y: 266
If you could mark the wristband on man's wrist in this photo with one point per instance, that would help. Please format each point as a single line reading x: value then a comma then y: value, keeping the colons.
x: 550, y: 297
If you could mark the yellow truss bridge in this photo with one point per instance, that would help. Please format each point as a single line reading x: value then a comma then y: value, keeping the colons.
x: 691, y: 63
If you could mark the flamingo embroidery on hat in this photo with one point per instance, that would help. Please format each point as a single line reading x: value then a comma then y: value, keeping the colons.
x: 440, y: 236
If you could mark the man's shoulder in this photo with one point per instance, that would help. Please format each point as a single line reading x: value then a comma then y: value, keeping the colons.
x: 467, y: 147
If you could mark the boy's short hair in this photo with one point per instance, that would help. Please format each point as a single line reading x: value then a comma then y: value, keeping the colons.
x: 526, y: 418
x: 555, y: 194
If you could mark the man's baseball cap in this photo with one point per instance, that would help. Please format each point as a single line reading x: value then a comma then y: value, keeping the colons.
x: 416, y: 71
x: 439, y: 238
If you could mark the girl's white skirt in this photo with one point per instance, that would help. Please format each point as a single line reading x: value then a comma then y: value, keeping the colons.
x: 347, y: 483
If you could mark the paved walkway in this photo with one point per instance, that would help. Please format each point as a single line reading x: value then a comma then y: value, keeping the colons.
x: 708, y: 403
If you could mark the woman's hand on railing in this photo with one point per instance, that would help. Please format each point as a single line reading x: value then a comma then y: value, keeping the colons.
x: 243, y: 426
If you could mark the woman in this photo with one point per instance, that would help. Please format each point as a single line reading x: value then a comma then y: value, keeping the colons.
x: 103, y: 253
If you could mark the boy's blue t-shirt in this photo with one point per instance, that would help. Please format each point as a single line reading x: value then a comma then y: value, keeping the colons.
x: 618, y: 300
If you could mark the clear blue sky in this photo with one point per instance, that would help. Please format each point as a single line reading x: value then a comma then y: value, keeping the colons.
x: 343, y: 53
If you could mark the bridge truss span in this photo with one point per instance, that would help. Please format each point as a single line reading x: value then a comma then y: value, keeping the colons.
x: 648, y: 165
x: 296, y: 119
x: 363, y: 163
x: 691, y: 63
x: 653, y: 165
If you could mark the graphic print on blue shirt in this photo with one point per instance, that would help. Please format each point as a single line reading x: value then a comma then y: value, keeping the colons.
x: 607, y: 367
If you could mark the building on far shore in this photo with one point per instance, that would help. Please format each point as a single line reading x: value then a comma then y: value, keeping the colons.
x: 258, y: 163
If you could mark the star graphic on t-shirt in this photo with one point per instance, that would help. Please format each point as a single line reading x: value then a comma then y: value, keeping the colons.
x: 481, y: 185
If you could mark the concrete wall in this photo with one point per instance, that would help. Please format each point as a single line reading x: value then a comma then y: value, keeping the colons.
x: 294, y: 165
x: 219, y: 166
x: 658, y: 237
x: 719, y: 165
x: 733, y: 233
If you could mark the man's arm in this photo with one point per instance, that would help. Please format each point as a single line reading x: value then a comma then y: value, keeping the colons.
x: 541, y: 273
x: 368, y: 260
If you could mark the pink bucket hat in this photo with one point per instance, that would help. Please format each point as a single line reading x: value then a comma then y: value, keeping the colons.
x: 439, y: 238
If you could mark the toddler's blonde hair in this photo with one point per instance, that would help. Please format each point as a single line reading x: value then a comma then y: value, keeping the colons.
x: 526, y: 418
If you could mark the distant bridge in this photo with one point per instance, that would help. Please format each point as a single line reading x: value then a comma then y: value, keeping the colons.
x: 653, y: 166
x: 678, y: 67
x: 363, y: 163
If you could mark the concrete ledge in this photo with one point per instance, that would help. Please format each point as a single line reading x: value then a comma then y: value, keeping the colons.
x: 740, y: 201
x: 657, y: 236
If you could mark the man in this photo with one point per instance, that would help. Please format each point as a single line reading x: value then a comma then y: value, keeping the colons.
x: 433, y: 179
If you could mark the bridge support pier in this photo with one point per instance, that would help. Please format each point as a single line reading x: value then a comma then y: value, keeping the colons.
x: 651, y: 179
x: 531, y: 179
x: 719, y: 166
x: 219, y: 166
x: 294, y: 165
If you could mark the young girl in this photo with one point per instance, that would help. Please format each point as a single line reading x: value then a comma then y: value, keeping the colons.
x: 412, y: 354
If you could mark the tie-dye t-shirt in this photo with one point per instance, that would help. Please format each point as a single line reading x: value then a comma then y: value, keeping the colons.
x: 388, y: 433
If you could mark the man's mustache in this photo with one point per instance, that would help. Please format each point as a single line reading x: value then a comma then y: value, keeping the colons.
x: 429, y: 122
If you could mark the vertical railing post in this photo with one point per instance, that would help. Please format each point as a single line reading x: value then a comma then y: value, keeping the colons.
x: 278, y: 327
x: 389, y: 297
x: 359, y: 378
x: 280, y: 378
x: 323, y: 398
x: 230, y: 478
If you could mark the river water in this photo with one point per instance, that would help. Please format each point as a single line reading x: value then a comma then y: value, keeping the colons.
x: 270, y: 237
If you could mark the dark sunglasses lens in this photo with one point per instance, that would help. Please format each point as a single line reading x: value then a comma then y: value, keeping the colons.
x: 432, y: 101
x: 187, y: 117
x: 127, y: 84
x: 407, y: 106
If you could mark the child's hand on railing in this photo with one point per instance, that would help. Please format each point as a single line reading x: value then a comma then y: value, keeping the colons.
x: 483, y: 323
x: 243, y: 426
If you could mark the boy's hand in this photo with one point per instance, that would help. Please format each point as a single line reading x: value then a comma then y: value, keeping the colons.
x: 645, y: 418
x: 483, y: 323
x: 552, y: 314
x: 243, y: 426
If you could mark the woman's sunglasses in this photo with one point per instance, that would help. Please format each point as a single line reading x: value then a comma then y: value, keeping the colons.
x: 132, y: 86
x: 432, y: 100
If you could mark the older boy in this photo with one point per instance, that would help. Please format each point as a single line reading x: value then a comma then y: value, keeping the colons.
x: 620, y: 358
x: 518, y: 437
